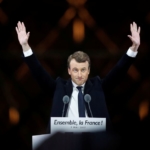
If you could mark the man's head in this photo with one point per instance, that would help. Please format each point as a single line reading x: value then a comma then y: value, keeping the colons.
x: 79, y: 67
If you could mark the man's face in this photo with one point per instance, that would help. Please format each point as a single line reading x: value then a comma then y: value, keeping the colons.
x: 79, y: 72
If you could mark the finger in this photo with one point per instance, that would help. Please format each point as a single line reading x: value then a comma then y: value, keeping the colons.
x: 139, y: 30
x: 23, y: 26
x: 28, y: 34
x: 135, y: 26
x: 17, y: 30
x: 130, y: 37
x: 18, y: 23
x: 19, y: 26
x: 131, y: 27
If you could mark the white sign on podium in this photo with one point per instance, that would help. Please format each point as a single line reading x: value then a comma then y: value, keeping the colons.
x: 67, y: 124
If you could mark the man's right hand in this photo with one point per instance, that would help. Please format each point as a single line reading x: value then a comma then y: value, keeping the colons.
x: 22, y: 36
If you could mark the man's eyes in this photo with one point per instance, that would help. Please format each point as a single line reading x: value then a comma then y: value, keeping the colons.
x: 82, y: 70
x: 75, y: 70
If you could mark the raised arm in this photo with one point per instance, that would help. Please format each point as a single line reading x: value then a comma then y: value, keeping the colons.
x: 23, y: 36
x: 46, y: 82
x: 121, y: 68
x: 135, y: 36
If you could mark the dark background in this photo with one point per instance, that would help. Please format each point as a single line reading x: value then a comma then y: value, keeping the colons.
x: 25, y: 109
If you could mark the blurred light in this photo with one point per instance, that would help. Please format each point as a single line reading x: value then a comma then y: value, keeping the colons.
x: 143, y: 109
x: 21, y: 72
x: 76, y: 3
x: 13, y: 115
x: 148, y: 17
x: 78, y: 30
x: 70, y: 13
x: 3, y: 17
x: 84, y: 15
x: 1, y: 1
x: 106, y: 41
x: 133, y: 72
x: 47, y: 41
x: 65, y: 19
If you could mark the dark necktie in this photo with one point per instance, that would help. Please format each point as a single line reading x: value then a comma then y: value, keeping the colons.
x: 81, y: 105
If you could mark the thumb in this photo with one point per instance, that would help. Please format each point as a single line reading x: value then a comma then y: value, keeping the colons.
x: 28, y: 34
x: 130, y: 37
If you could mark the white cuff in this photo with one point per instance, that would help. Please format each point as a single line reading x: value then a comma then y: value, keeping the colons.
x: 28, y: 53
x: 131, y: 53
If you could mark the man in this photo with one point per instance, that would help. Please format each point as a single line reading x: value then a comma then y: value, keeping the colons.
x: 79, y: 69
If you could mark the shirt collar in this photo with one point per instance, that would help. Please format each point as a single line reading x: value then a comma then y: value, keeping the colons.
x: 75, y: 85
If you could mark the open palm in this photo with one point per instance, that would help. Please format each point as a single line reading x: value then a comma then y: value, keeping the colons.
x: 135, y: 34
x: 21, y: 32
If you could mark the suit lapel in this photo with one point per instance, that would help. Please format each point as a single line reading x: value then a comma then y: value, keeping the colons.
x: 68, y: 88
x: 87, y: 89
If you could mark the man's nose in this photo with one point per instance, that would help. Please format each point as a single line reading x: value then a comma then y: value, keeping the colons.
x: 79, y: 74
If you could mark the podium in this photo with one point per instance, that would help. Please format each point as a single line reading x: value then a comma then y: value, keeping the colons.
x: 77, y: 125
x: 75, y: 133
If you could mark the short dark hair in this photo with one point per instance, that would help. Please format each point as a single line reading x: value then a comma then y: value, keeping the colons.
x: 79, y: 56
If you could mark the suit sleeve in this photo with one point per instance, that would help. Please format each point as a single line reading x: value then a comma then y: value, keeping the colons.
x: 117, y: 73
x: 45, y: 81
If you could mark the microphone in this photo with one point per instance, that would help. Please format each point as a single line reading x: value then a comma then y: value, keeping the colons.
x: 87, y: 98
x: 65, y: 101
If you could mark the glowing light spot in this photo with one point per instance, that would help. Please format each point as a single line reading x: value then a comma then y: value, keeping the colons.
x: 143, y: 109
x: 78, y: 30
x: 13, y: 115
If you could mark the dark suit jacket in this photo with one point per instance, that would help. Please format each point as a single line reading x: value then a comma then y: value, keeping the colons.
x: 96, y: 87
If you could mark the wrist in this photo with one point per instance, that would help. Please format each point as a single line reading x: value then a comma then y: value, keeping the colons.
x: 134, y: 47
x: 25, y: 47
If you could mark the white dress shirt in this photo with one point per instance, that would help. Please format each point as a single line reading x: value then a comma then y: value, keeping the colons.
x: 73, y: 110
x: 73, y: 105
